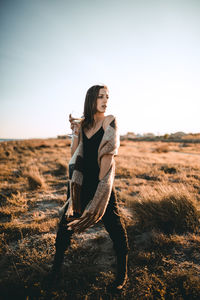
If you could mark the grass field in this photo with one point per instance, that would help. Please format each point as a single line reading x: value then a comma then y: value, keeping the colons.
x: 158, y: 188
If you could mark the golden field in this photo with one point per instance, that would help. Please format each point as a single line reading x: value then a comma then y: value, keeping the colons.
x: 158, y: 188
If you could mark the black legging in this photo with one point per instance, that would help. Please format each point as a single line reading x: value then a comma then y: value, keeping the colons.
x: 113, y: 224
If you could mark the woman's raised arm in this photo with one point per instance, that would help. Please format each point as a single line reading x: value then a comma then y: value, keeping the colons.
x: 75, y: 126
x: 74, y: 144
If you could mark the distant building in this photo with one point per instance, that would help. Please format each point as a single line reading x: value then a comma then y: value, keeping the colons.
x: 130, y: 135
x: 177, y: 135
x: 127, y: 136
x: 149, y: 134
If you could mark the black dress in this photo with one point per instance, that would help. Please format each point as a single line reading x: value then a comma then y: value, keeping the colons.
x: 90, y: 166
x: 111, y: 219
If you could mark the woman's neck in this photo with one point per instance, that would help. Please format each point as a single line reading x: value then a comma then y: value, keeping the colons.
x: 98, y: 117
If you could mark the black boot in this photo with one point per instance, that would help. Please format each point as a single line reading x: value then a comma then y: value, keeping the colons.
x: 122, y: 276
x: 55, y: 272
x: 63, y: 239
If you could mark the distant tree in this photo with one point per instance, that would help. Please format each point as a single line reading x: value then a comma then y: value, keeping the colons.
x: 166, y: 136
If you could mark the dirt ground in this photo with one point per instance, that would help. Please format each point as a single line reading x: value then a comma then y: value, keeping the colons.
x: 162, y: 264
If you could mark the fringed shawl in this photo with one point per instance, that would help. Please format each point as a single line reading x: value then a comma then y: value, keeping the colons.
x: 109, y: 145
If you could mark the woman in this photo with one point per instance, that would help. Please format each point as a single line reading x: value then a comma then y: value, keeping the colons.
x: 92, y: 197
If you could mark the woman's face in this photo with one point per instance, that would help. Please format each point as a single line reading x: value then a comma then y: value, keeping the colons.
x: 102, y: 100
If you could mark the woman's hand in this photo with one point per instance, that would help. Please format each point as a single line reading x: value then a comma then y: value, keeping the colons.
x: 75, y: 126
x: 96, y: 208
x: 85, y: 221
x: 69, y: 211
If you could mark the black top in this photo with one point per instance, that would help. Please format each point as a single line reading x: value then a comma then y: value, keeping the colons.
x: 90, y: 165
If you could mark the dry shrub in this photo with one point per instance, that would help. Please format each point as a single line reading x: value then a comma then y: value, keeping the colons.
x: 15, y: 230
x: 6, y: 152
x: 5, y: 193
x: 161, y: 149
x: 168, y: 169
x: 42, y: 146
x: 183, y: 284
x: 122, y: 172
x: 17, y: 199
x: 148, y: 177
x: 15, y: 205
x: 35, y: 179
x: 170, y: 211
x: 62, y: 168
x: 2, y: 244
x: 122, y: 144
x: 151, y: 286
x: 68, y: 143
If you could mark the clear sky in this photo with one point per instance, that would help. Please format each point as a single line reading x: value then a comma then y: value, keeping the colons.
x: 146, y: 51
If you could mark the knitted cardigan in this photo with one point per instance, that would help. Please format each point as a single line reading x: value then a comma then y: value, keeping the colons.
x: 108, y: 145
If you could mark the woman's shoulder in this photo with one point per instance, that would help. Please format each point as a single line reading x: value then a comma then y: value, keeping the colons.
x: 108, y: 120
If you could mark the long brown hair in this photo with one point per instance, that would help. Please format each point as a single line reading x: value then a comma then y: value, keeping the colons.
x: 90, y: 105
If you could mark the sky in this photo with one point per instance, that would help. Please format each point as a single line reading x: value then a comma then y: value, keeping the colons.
x: 51, y: 51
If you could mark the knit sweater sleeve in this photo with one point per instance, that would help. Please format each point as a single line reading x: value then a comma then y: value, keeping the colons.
x: 110, y: 142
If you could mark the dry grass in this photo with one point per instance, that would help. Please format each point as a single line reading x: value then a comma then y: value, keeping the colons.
x: 35, y: 179
x: 62, y: 168
x: 159, y: 195
x: 16, y: 205
x: 161, y: 149
x: 172, y: 211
